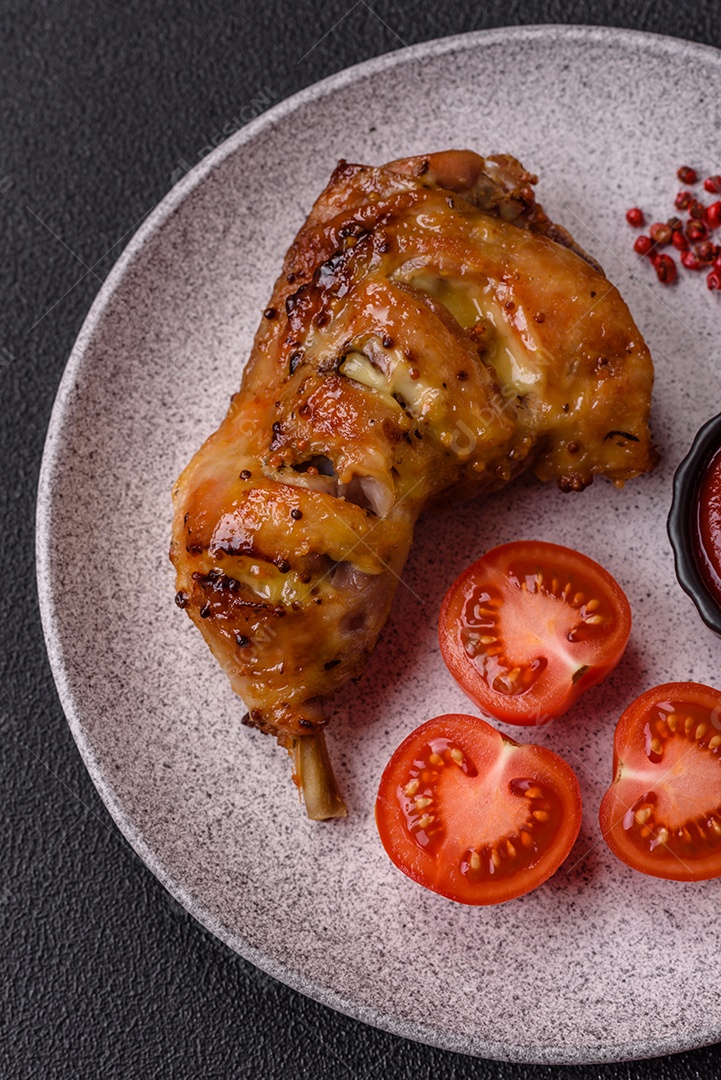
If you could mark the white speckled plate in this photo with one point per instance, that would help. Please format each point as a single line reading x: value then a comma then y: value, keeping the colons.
x: 599, y: 964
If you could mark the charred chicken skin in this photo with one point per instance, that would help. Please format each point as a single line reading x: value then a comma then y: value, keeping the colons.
x: 432, y: 333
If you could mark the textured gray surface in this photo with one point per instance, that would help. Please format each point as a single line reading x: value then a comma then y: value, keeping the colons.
x: 104, y: 975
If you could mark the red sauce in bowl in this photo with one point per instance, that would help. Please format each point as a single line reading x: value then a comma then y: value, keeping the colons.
x: 707, y: 538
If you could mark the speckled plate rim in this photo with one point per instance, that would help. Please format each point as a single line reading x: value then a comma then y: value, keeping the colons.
x: 52, y: 462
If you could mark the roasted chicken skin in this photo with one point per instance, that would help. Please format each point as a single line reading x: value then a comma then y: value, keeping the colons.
x: 432, y: 333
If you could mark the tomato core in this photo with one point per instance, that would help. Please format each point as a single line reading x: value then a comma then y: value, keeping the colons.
x: 474, y: 816
x: 662, y: 814
x: 516, y: 817
x: 527, y: 628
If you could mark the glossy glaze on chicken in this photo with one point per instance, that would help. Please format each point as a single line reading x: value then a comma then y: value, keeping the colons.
x: 432, y: 334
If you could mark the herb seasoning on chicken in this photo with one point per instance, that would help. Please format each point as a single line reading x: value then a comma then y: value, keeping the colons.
x: 432, y: 333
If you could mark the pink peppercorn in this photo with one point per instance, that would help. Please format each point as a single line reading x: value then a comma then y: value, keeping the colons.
x: 635, y: 217
x: 691, y: 261
x: 665, y: 269
x: 712, y: 215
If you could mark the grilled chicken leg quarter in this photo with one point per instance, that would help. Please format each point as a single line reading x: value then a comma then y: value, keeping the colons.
x: 432, y: 333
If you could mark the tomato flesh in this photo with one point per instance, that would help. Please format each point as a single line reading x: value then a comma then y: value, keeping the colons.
x: 530, y: 626
x: 662, y: 813
x: 473, y: 815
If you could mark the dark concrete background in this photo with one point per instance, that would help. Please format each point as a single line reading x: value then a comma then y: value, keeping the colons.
x: 102, y: 105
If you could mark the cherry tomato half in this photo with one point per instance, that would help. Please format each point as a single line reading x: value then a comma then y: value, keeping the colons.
x: 529, y: 627
x: 662, y: 813
x: 473, y: 815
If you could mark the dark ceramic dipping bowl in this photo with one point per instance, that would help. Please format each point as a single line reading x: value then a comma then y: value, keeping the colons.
x: 682, y: 521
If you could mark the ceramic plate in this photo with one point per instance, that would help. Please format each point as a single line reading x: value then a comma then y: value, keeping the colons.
x: 599, y: 964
